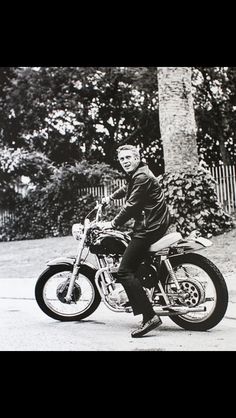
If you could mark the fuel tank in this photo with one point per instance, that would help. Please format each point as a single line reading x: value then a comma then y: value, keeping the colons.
x: 110, y: 242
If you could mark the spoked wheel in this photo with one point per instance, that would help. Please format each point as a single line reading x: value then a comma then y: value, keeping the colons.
x: 51, y: 289
x: 203, y: 286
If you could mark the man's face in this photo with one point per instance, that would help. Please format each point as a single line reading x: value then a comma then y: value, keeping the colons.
x: 128, y: 161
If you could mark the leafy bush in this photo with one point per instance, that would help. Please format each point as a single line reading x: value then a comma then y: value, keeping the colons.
x: 193, y: 203
x: 34, y: 219
x: 50, y: 210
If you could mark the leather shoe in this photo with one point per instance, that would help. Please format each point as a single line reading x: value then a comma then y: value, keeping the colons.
x: 147, y: 327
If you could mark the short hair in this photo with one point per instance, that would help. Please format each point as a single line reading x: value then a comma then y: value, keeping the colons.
x: 132, y: 148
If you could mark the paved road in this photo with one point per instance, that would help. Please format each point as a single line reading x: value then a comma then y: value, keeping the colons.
x: 24, y: 327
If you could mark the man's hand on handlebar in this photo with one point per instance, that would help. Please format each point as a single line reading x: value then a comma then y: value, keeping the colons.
x: 106, y: 201
x: 105, y: 225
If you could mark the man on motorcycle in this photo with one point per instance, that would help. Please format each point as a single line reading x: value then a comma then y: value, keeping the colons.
x: 145, y: 203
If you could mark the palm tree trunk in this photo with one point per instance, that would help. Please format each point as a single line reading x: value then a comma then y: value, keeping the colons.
x: 177, y: 119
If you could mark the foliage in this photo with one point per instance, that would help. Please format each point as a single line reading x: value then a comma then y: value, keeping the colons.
x: 8, y: 195
x: 82, y: 174
x: 40, y: 216
x: 34, y: 217
x: 215, y: 111
x: 193, y: 203
x: 51, y: 209
x: 14, y: 164
x: 17, y: 162
x: 72, y: 113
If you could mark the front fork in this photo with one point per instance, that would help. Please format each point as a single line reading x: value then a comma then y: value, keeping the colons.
x: 68, y: 297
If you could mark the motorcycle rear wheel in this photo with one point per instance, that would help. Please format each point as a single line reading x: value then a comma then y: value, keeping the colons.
x: 215, y: 311
x: 49, y: 293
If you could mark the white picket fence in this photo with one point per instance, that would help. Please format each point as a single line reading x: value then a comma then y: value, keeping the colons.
x: 5, y: 214
x: 104, y: 190
x: 225, y: 177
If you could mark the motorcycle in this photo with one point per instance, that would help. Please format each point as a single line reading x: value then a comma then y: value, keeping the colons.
x: 179, y: 282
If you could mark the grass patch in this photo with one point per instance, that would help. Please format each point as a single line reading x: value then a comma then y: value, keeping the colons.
x: 27, y: 259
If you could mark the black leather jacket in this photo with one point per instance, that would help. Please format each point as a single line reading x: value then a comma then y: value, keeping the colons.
x: 144, y: 201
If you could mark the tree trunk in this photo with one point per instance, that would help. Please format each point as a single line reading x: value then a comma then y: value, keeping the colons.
x: 177, y: 120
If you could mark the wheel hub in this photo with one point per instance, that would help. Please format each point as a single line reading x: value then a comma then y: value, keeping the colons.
x: 194, y: 292
x: 62, y: 291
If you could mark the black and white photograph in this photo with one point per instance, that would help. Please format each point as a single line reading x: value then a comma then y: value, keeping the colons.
x: 117, y: 208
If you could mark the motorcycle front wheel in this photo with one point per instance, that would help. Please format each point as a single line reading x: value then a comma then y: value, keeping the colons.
x: 51, y: 288
x: 205, y: 286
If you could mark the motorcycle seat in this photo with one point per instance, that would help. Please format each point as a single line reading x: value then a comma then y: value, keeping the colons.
x: 165, y: 242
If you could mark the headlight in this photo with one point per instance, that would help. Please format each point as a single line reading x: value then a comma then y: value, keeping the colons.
x: 77, y: 231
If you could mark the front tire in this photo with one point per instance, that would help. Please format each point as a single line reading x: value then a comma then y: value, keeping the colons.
x: 216, y: 305
x: 50, y: 297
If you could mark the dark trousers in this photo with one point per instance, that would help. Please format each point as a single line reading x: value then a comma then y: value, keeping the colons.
x: 131, y: 260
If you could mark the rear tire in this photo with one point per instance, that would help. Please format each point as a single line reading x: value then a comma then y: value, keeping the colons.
x: 221, y: 292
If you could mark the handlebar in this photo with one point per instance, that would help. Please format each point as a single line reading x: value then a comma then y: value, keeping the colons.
x: 99, y: 207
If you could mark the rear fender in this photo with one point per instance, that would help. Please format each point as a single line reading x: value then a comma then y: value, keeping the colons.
x: 193, y: 244
x: 182, y: 247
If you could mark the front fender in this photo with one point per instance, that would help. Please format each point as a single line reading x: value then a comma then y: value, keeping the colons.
x: 69, y: 261
x: 59, y: 261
